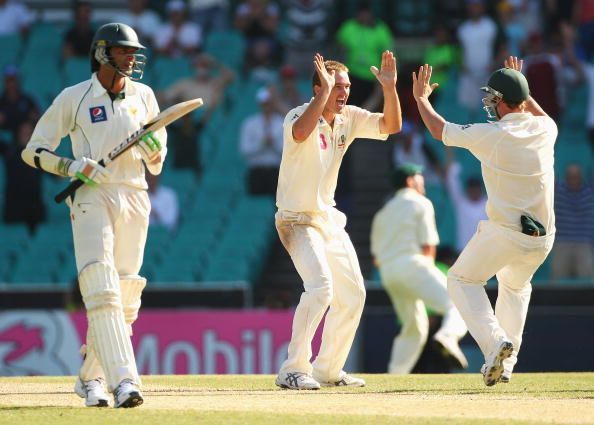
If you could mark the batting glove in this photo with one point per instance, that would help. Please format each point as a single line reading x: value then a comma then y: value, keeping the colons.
x: 89, y: 171
x: 149, y: 147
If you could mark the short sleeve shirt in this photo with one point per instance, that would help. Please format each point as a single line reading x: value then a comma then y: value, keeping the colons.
x: 516, y: 155
x: 402, y: 226
x: 309, y: 170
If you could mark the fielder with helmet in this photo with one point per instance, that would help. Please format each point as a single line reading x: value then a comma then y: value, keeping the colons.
x: 516, y: 152
x: 110, y: 212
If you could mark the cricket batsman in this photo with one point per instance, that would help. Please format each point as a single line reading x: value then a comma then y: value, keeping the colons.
x: 110, y: 212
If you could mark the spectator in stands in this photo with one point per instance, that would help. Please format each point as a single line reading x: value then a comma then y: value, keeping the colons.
x: 211, y: 15
x: 23, y: 200
x: 588, y: 70
x: 574, y: 212
x: 209, y: 82
x: 286, y: 91
x: 78, y: 39
x: 363, y: 40
x: 16, y: 107
x: 145, y: 21
x: 584, y: 18
x: 410, y: 148
x: 469, y: 207
x: 164, y: 204
x: 15, y: 18
x: 544, y: 71
x: 513, y: 29
x: 178, y: 36
x: 258, y: 21
x: 477, y: 36
x: 307, y: 28
x: 261, y: 144
x: 443, y: 55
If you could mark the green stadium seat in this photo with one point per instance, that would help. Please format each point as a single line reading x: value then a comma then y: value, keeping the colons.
x: 11, y: 48
x: 227, y: 47
x: 76, y: 70
x: 166, y: 71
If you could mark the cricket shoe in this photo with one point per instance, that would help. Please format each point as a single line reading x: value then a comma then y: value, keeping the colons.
x: 494, y: 364
x: 344, y: 380
x: 92, y: 391
x: 505, y: 377
x: 296, y: 381
x: 127, y: 394
x: 450, y: 349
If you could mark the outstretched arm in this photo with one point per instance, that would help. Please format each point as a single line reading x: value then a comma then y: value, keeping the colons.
x: 306, y: 123
x: 531, y: 105
x: 391, y: 122
x: 422, y: 89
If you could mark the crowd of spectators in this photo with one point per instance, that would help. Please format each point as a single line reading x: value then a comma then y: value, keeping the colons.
x: 555, y: 38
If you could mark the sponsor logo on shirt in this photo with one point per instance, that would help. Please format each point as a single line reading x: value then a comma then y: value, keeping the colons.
x: 97, y: 114
x: 341, y: 142
x: 464, y: 127
x: 323, y: 143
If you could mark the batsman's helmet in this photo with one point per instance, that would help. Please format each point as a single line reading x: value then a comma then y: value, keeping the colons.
x: 504, y: 84
x: 112, y: 35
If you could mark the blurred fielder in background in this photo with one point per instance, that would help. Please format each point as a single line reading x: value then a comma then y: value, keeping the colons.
x: 403, y: 243
x: 516, y: 152
x: 316, y: 137
x: 110, y: 212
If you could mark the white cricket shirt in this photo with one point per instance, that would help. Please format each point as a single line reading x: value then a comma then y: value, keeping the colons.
x: 402, y: 226
x: 517, y: 157
x: 309, y: 170
x: 96, y: 125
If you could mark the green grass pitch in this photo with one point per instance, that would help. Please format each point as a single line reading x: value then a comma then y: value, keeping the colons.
x: 537, y: 398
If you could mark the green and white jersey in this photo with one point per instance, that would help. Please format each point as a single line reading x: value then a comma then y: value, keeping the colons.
x: 309, y: 170
x: 96, y: 124
x: 517, y: 158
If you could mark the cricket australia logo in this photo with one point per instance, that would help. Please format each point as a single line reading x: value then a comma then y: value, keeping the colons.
x: 97, y: 114
x: 341, y: 143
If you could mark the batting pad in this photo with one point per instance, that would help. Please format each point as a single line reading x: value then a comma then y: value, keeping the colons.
x: 90, y: 368
x: 131, y: 288
x: 99, y: 286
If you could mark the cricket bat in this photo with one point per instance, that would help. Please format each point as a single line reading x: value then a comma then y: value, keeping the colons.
x: 166, y: 117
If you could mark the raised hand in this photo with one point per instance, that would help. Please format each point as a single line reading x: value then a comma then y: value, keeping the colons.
x: 327, y: 79
x: 387, y: 74
x: 514, y: 63
x: 422, y: 87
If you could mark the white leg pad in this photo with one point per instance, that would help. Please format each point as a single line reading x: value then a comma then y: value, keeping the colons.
x: 91, y: 367
x: 99, y: 286
x: 131, y: 288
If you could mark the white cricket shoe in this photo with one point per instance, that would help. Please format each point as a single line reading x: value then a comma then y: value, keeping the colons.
x: 451, y: 350
x: 505, y: 377
x: 344, y: 380
x: 92, y: 391
x: 296, y: 381
x: 494, y: 364
x: 127, y: 394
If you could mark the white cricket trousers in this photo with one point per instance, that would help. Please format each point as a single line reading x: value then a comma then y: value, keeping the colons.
x: 109, y: 225
x: 414, y: 282
x: 325, y: 258
x: 511, y: 256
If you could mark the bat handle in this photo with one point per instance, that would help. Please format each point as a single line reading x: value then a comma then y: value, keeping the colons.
x: 70, y: 189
